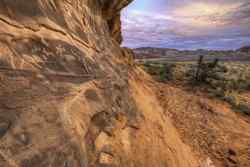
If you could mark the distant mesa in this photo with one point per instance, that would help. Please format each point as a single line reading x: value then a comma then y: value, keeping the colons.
x: 167, y: 54
x: 245, y: 49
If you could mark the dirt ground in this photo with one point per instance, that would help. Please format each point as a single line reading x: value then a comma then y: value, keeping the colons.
x: 209, y: 126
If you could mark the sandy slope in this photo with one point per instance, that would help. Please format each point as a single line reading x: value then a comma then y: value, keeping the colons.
x: 208, y: 126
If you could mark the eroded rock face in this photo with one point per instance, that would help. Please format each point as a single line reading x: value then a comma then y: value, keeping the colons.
x: 71, y: 97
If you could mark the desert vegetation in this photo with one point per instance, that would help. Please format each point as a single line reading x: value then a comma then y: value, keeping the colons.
x: 223, y: 80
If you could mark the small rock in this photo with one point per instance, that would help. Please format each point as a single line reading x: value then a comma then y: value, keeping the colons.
x: 23, y: 138
x: 102, y: 140
x: 105, y: 158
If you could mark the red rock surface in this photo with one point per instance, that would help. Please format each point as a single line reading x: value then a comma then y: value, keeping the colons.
x: 71, y: 97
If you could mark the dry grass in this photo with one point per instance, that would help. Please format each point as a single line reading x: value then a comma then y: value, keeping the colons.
x: 228, y: 85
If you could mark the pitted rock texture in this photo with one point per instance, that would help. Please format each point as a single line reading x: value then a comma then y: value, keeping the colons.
x: 71, y: 97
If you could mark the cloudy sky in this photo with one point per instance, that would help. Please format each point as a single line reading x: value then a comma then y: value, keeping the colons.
x: 187, y: 24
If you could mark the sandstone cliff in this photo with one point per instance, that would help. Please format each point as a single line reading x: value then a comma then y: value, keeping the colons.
x: 71, y: 97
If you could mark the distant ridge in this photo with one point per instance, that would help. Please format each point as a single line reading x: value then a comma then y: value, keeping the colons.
x: 245, y: 49
x: 241, y: 54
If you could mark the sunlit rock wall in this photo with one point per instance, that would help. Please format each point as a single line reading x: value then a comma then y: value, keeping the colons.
x: 71, y: 97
